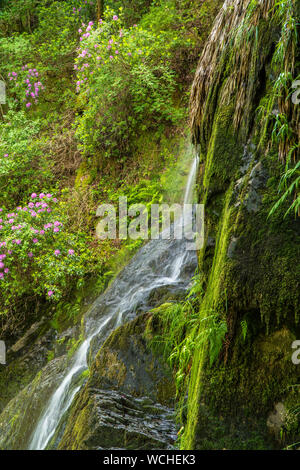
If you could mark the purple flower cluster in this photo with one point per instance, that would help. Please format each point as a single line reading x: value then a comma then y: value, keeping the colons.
x: 30, y: 80
x: 89, y: 57
x: 17, y: 232
x: 88, y: 30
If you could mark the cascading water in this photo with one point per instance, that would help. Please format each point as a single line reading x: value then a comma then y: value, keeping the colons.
x: 159, y: 264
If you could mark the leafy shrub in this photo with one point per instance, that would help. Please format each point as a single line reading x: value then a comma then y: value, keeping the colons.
x: 17, y: 16
x: 14, y: 53
x: 38, y: 255
x: 125, y: 86
x: 22, y: 162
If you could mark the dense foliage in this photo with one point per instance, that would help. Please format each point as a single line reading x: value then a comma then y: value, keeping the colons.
x: 89, y: 103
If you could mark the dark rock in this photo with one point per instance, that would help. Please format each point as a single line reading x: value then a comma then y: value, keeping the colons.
x: 18, y: 420
x: 232, y: 247
x: 127, y: 402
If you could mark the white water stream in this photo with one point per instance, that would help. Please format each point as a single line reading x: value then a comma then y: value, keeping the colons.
x: 159, y: 264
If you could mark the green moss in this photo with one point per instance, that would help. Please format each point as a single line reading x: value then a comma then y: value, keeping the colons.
x: 221, y: 161
x: 242, y: 393
x: 259, y: 288
x: 254, y: 283
x: 213, y: 299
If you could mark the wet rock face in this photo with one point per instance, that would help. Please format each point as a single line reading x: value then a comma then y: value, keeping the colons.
x: 112, y: 419
x: 19, y: 418
x: 255, y: 183
x: 128, y: 401
x: 24, y: 359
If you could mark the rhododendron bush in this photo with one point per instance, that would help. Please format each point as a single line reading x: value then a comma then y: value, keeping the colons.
x: 124, y: 81
x: 37, y: 253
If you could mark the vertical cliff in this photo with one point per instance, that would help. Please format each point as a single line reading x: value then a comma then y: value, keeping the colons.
x: 247, y: 131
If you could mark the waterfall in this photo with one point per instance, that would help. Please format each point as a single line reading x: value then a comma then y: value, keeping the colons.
x: 188, y: 197
x: 160, y: 263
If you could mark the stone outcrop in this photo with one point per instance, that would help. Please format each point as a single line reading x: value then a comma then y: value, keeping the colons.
x: 128, y: 400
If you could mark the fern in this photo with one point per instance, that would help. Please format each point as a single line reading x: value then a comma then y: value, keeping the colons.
x: 289, y: 185
x: 213, y: 331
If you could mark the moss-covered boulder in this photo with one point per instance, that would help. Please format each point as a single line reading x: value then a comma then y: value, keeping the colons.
x: 19, y: 418
x: 25, y: 357
x: 251, y: 402
x: 128, y: 400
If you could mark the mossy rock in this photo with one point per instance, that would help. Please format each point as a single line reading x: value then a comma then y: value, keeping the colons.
x: 250, y: 272
x: 19, y: 418
x: 127, y: 402
x: 242, y: 395
x: 25, y: 358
